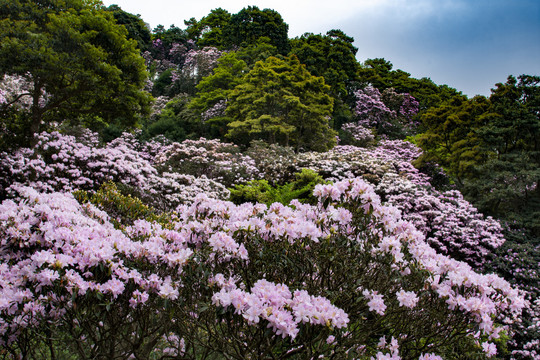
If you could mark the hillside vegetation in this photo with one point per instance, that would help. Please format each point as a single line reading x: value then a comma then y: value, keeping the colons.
x: 224, y: 191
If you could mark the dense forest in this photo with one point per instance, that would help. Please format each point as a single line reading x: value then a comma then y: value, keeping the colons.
x: 224, y: 191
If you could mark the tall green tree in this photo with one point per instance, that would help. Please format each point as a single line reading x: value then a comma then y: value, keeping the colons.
x: 209, y: 30
x: 77, y: 59
x: 214, y: 92
x: 250, y: 24
x: 332, y: 56
x: 135, y: 26
x: 451, y: 135
x: 281, y: 102
x: 507, y: 184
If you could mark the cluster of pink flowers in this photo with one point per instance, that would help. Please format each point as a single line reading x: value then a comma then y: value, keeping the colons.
x: 199, y: 63
x: 218, y: 109
x: 222, y: 162
x: 61, y: 162
x: 370, y: 107
x: 360, y: 134
x: 50, y: 240
x: 51, y: 246
x: 16, y: 91
x: 282, y: 309
x: 389, y: 113
x: 448, y: 222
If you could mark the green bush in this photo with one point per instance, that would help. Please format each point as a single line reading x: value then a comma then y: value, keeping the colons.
x: 260, y: 191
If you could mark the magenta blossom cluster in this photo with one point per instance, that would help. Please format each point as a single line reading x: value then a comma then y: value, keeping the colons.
x: 389, y: 113
x: 371, y: 108
x: 450, y: 223
x: 54, y: 251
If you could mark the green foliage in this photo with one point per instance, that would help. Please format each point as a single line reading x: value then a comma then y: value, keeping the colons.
x: 260, y: 191
x: 217, y: 88
x: 260, y: 51
x: 332, y: 56
x: 169, y: 36
x: 176, y: 122
x: 281, y: 102
x: 379, y: 73
x: 162, y: 85
x: 506, y: 184
x: 209, y: 30
x: 135, y: 26
x: 14, y: 128
x: 120, y: 205
x: 451, y: 137
x: 250, y: 24
x: 77, y: 59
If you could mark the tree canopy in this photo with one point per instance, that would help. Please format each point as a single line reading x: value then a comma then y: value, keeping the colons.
x: 135, y: 26
x: 506, y: 184
x: 209, y: 30
x: 250, y: 24
x: 76, y: 58
x: 279, y: 100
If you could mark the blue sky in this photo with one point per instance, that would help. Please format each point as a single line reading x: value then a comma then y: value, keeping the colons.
x: 467, y: 44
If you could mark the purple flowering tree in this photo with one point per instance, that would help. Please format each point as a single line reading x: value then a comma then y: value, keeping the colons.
x: 389, y: 113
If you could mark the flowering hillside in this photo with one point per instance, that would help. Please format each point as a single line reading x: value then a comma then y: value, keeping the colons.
x: 380, y: 266
x: 225, y: 192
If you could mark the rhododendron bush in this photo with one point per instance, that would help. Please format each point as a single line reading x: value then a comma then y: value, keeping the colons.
x: 449, y: 223
x: 346, y: 278
x: 61, y: 162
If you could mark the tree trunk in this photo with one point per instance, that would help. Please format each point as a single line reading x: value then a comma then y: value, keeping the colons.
x: 36, y: 113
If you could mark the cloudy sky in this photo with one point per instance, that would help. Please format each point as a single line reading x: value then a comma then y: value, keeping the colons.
x: 467, y: 44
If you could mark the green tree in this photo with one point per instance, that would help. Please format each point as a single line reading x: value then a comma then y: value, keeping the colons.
x: 176, y: 122
x: 261, y: 50
x: 77, y: 59
x: 378, y: 72
x: 214, y: 92
x: 250, y: 24
x: 332, y: 56
x: 451, y: 135
x: 209, y: 30
x: 260, y: 191
x: 280, y: 101
x: 135, y: 26
x: 506, y: 185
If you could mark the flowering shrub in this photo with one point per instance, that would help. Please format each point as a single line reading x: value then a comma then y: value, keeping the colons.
x: 17, y: 91
x: 274, y: 162
x: 361, y: 135
x: 517, y: 261
x: 219, y: 161
x: 449, y: 223
x: 217, y: 278
x: 390, y: 114
x: 65, y: 163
